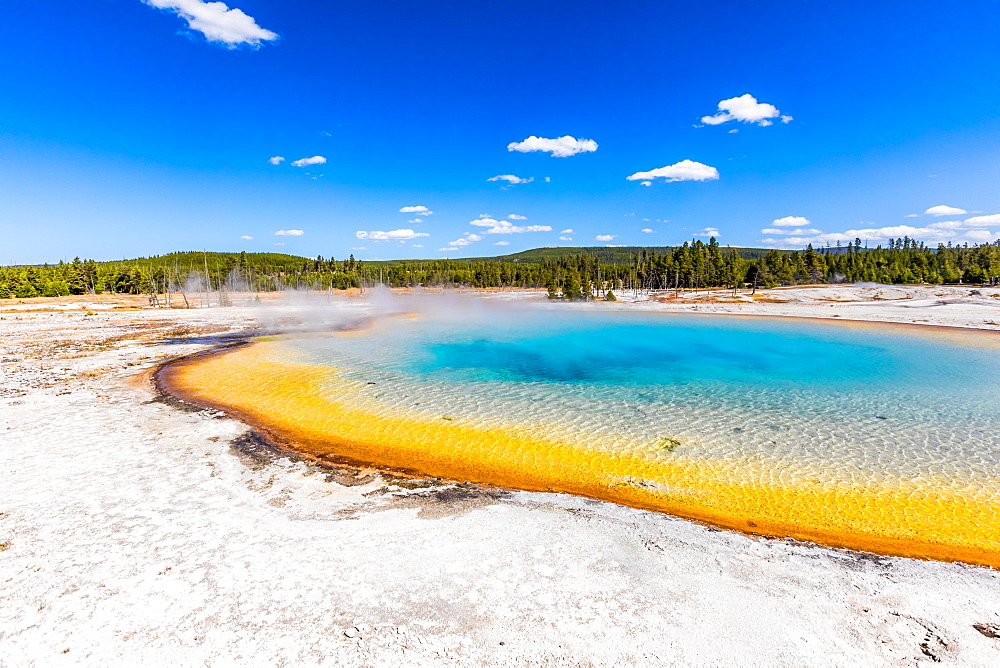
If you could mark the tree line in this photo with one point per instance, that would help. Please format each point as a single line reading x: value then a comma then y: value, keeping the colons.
x: 694, y: 265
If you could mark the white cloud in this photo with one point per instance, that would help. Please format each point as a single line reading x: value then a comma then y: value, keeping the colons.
x: 745, y: 109
x: 647, y: 230
x: 246, y: 237
x: 289, y: 233
x: 568, y: 230
x: 514, y: 216
x: 977, y: 221
x: 799, y: 231
x: 505, y: 227
x: 217, y: 22
x: 935, y: 233
x: 606, y: 237
x: 511, y: 179
x: 912, y: 215
x: 487, y: 222
x: 416, y: 209
x: 560, y: 147
x: 416, y: 220
x: 565, y: 238
x: 315, y: 160
x: 791, y: 221
x: 502, y: 243
x: 467, y: 239
x: 708, y: 232
x: 391, y: 235
x: 416, y: 245
x: 548, y: 179
x: 685, y: 170
x: 276, y: 160
x: 447, y: 250
x: 647, y: 183
x: 360, y: 248
x: 942, y: 210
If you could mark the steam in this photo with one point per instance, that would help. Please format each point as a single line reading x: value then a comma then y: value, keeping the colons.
x: 304, y: 308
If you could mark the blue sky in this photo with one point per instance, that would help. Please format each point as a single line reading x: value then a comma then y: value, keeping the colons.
x: 133, y: 128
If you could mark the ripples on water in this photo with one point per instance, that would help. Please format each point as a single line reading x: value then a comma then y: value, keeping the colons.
x: 885, y: 438
x: 825, y: 395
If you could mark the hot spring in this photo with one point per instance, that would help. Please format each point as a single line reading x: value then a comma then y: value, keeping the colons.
x: 876, y: 437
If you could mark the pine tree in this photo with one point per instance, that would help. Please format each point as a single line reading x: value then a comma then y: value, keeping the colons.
x: 571, y: 287
x: 552, y: 287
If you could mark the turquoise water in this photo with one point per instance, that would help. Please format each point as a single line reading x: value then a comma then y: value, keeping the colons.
x: 860, y: 400
x: 671, y: 350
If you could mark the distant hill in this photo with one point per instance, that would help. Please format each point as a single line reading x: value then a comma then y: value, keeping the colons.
x: 194, y: 261
x: 188, y: 261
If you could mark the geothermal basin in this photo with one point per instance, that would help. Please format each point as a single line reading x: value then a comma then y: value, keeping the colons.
x: 868, y: 436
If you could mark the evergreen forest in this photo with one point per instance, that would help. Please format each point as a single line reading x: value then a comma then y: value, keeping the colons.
x: 572, y: 273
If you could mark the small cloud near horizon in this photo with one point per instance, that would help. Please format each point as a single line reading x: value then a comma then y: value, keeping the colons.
x: 416, y: 209
x: 391, y: 235
x: 606, y: 237
x: 791, y: 221
x: 289, y: 233
x: 796, y: 231
x: 505, y: 227
x: 246, y: 237
x: 940, y: 232
x: 465, y: 240
x: 942, y: 210
x: 992, y: 219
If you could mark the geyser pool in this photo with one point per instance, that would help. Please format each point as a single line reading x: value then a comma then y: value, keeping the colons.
x: 874, y: 437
